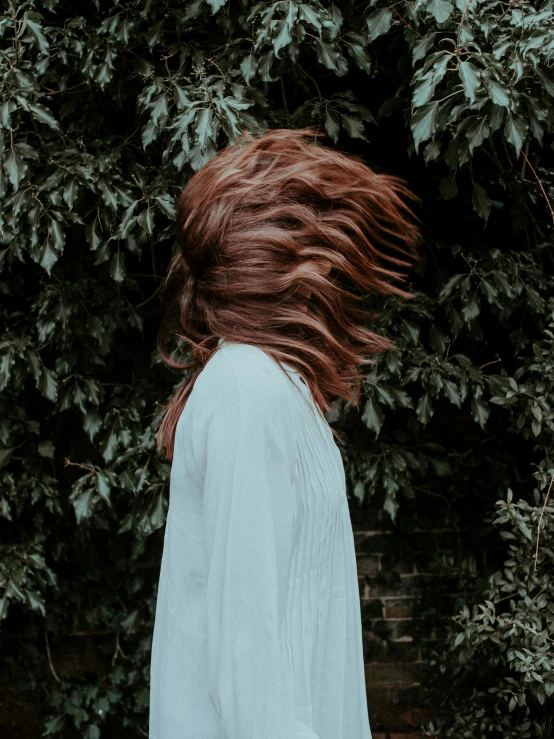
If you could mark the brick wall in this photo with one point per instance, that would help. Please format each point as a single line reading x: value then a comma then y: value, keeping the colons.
x: 391, y: 581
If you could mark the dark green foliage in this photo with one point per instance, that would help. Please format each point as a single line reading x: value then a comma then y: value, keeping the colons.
x: 105, y: 111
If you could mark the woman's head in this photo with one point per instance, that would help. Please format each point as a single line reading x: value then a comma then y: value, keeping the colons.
x: 278, y: 238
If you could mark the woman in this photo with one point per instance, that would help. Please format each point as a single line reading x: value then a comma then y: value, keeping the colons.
x: 258, y: 630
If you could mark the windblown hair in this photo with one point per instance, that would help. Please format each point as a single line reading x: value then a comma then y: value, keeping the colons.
x: 257, y: 227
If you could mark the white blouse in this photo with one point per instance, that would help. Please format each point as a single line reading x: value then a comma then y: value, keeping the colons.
x: 257, y: 632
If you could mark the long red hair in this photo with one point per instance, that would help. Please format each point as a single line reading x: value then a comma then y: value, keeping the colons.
x: 257, y: 228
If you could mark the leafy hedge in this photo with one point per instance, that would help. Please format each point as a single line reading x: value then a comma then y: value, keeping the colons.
x: 105, y: 111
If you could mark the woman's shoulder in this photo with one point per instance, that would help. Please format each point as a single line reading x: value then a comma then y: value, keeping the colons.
x: 244, y: 370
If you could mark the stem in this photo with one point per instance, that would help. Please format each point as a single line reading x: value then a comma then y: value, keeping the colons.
x: 540, y: 185
x: 540, y: 519
x: 52, y: 670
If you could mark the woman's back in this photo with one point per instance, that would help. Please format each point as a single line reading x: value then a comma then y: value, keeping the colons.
x: 258, y: 630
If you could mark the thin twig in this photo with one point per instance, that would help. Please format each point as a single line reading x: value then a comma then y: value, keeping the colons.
x: 301, y: 68
x: 539, y: 523
x: 461, y: 24
x: 404, y: 21
x: 540, y: 184
x: 525, y: 160
x: 493, y: 361
x: 144, y: 274
x: 39, y: 201
x: 16, y: 32
x: 156, y: 291
x: 284, y: 96
x: 91, y: 470
x: 525, y: 628
x: 66, y: 89
x: 118, y: 649
x: 52, y: 670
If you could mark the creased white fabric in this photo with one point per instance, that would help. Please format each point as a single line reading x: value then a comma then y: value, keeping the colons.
x: 257, y: 632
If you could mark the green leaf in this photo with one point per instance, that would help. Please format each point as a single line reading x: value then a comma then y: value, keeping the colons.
x: 432, y: 150
x: 265, y: 62
x: 448, y: 188
x: 167, y: 206
x: 92, y: 423
x: 283, y: 36
x: 48, y: 256
x: 149, y: 133
x: 424, y: 409
x: 470, y: 77
x: 42, y: 114
x: 92, y: 731
x: 330, y: 56
x: 103, y: 486
x: 15, y: 168
x: 479, y: 411
x: 48, y: 384
x: 361, y: 56
x: 497, y: 91
x: 54, y: 725
x: 56, y: 235
x: 215, y: 5
x: 422, y: 46
x: 82, y: 505
x: 391, y: 505
x: 477, y: 132
x: 248, y: 68
x: 46, y: 449
x: 359, y: 491
x: 480, y: 201
x: 159, y: 110
x: 410, y: 330
x: 515, y: 131
x: 424, y: 90
x: 378, y: 23
x: 353, y: 126
x: 547, y: 80
x: 36, y: 603
x: 440, y: 9
x: 104, y: 75
x: 424, y: 122
x: 373, y: 415
x: 310, y: 15
x: 157, y: 512
x: 5, y: 455
x: 117, y: 266
x: 451, y: 392
x: 331, y: 125
x: 204, y: 127
x: 526, y: 531
x: 471, y: 309
x: 70, y: 193
x: 36, y: 32
x: 131, y: 622
x: 460, y: 636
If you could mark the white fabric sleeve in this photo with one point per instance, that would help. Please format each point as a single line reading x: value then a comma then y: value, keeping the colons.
x: 246, y: 451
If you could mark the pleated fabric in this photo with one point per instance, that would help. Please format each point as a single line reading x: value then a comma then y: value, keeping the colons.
x: 257, y: 631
